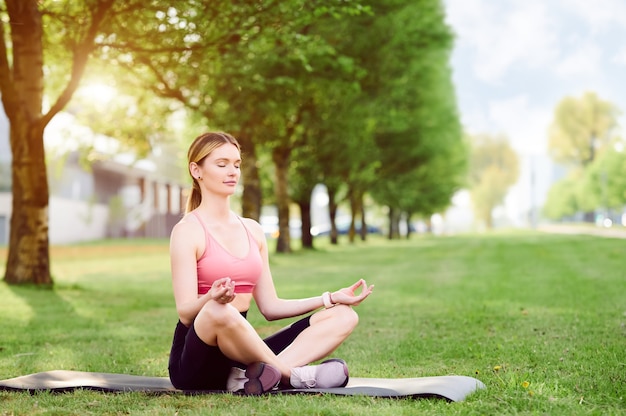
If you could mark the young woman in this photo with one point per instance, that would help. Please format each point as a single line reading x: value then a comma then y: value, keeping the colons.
x: 219, y: 264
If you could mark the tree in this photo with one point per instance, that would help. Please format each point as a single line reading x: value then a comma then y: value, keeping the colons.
x: 604, y: 181
x: 600, y: 186
x: 413, y: 107
x: 304, y: 175
x: 432, y: 186
x: 581, y: 128
x: 35, y: 36
x: 186, y: 50
x: 345, y: 152
x: 296, y: 92
x: 493, y: 168
x: 250, y: 65
x: 563, y: 200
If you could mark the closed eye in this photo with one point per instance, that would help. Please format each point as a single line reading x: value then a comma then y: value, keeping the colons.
x: 224, y: 162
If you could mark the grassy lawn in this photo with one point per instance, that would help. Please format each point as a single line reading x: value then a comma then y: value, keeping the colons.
x: 540, y: 319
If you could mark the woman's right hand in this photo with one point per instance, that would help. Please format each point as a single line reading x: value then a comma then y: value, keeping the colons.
x: 223, y: 290
x: 348, y: 295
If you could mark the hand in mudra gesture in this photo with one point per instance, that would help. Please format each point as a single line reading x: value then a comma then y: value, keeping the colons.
x: 349, y: 295
x: 223, y: 290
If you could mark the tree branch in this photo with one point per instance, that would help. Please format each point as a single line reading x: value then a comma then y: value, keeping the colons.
x: 81, y: 55
x: 167, y: 91
x: 135, y: 48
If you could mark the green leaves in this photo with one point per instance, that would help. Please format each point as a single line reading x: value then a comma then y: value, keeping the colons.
x: 581, y: 127
x: 582, y: 138
x: 494, y: 168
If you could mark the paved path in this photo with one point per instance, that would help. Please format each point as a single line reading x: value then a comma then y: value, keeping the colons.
x: 613, y: 232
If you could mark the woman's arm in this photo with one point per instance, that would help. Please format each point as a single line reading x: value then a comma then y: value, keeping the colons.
x: 186, y: 245
x: 268, y: 302
x: 272, y: 307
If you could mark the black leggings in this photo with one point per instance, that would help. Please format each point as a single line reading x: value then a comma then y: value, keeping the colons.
x: 194, y: 365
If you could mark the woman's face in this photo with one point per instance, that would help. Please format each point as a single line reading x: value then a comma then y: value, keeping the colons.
x: 220, y: 170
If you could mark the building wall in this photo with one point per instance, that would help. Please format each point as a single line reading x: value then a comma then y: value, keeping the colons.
x: 70, y: 221
x: 74, y: 221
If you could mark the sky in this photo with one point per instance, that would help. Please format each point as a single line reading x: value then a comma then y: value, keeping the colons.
x: 514, y: 60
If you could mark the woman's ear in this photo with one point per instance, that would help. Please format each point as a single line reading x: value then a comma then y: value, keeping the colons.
x: 194, y: 170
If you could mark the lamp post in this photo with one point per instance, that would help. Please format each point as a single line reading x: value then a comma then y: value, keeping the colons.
x: 619, y: 148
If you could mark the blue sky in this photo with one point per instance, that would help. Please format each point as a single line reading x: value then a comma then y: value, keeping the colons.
x: 514, y: 60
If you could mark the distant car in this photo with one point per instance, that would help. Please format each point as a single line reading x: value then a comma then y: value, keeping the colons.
x: 371, y: 229
x: 269, y: 223
x: 343, y: 229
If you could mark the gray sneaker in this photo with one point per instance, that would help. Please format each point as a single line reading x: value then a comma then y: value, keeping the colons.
x: 331, y: 373
x: 261, y: 378
x: 256, y: 379
x: 236, y: 379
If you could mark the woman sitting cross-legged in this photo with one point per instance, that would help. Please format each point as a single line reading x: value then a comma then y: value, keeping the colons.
x: 219, y: 264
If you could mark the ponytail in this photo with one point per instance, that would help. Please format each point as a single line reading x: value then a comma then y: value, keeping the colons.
x: 194, y: 198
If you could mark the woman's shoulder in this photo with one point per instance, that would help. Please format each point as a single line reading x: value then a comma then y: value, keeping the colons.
x: 251, y: 224
x: 255, y: 229
x: 186, y: 226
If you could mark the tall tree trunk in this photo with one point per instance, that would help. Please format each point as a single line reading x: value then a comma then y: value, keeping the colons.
x: 332, y: 213
x: 28, y: 257
x: 252, y: 196
x: 280, y: 157
x: 362, y: 213
x: 305, y: 216
x: 353, y: 215
x: 394, y: 224
x: 408, y: 225
x: 490, y: 222
x: 303, y: 198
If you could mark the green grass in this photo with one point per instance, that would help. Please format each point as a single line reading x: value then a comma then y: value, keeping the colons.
x: 540, y: 319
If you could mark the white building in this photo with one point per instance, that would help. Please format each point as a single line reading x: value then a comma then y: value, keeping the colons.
x: 116, y: 197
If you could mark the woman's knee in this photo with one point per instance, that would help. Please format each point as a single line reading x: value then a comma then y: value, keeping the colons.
x: 345, y: 316
x: 217, y: 315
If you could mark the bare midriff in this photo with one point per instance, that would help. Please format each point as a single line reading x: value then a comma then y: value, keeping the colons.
x: 241, y: 302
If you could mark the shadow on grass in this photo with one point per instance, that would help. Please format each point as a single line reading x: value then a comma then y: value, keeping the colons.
x: 50, y: 337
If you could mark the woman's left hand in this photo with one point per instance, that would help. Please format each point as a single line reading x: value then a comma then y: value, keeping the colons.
x: 223, y: 290
x: 348, y: 295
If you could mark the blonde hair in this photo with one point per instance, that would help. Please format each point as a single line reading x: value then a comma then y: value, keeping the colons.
x: 201, y: 147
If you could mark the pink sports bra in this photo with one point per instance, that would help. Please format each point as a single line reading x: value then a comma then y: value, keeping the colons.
x: 216, y: 263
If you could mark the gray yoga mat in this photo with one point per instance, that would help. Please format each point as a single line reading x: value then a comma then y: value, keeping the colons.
x: 452, y: 388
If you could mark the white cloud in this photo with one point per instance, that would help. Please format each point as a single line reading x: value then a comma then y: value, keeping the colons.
x: 523, y: 124
x: 475, y: 121
x: 504, y: 35
x: 620, y: 57
x: 584, y: 60
x: 599, y: 15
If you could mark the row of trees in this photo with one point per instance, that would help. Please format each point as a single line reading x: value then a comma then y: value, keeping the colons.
x: 583, y: 139
x: 355, y: 95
